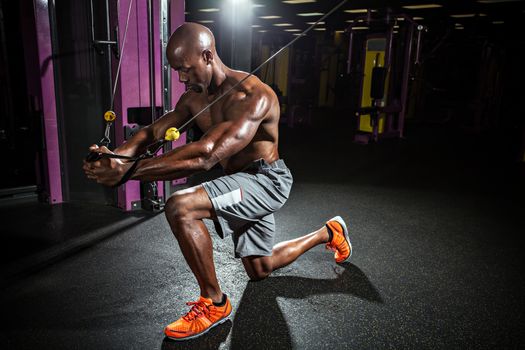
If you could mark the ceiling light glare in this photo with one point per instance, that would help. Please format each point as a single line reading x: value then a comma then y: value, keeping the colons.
x: 422, y: 6
x: 283, y: 24
x: 360, y: 28
x: 209, y: 10
x: 314, y: 23
x: 310, y: 14
x: 206, y: 21
x: 359, y: 11
x: 495, y: 1
x: 466, y: 15
x: 320, y: 29
x: 270, y: 17
x: 292, y: 30
x: 294, y: 2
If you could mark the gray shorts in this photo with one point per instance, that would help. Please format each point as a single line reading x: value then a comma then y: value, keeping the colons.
x: 245, y: 202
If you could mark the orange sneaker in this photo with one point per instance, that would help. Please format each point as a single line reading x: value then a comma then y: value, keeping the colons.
x: 340, y: 243
x: 202, y: 317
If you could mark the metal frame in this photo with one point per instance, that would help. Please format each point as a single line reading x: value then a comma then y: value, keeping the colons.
x: 166, y: 75
x: 390, y: 20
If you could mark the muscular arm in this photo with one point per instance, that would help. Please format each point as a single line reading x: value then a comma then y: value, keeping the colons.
x: 243, y: 117
x: 146, y: 136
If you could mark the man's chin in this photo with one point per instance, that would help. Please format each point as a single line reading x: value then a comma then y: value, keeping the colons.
x: 195, y: 88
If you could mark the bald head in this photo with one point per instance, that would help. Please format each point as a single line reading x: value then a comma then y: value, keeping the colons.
x: 191, y: 52
x: 190, y: 40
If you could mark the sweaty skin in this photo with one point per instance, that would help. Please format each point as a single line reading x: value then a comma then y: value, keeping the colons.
x: 240, y: 128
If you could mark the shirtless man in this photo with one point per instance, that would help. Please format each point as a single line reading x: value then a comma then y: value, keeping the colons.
x: 241, y: 133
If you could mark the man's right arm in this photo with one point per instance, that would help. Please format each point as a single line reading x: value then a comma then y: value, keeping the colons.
x: 146, y: 136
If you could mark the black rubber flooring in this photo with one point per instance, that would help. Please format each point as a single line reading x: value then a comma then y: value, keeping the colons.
x: 436, y: 222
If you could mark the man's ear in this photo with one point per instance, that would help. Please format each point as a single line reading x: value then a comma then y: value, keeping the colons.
x: 207, y: 55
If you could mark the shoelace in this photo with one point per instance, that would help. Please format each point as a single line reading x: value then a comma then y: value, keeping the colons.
x: 198, y: 308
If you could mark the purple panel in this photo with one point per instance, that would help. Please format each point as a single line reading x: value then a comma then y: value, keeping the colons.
x: 130, y: 84
x: 134, y: 89
x: 177, y: 18
x: 45, y: 51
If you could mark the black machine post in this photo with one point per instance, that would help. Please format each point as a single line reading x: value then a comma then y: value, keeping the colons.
x: 151, y: 200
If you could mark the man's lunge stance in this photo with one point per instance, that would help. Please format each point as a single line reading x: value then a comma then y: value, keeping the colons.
x: 240, y: 133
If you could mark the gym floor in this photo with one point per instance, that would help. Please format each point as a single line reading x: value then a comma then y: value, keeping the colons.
x: 435, y: 221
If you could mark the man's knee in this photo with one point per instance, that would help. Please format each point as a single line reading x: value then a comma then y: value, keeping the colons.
x: 257, y: 268
x: 258, y: 275
x: 178, y: 206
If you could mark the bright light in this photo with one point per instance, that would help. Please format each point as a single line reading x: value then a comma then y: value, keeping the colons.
x: 482, y: 14
x: 270, y: 17
x: 418, y: 18
x: 350, y: 21
x: 258, y: 5
x: 209, y: 10
x: 256, y: 26
x: 395, y: 32
x: 206, y: 21
x: 422, y: 6
x: 360, y: 28
x: 283, y: 24
x: 339, y: 31
x: 314, y: 23
x: 498, y: 22
x: 396, y: 27
x: 320, y: 29
x: 309, y: 14
x: 262, y: 31
x: 298, y: 1
x: 467, y: 15
x: 460, y: 28
x: 359, y: 11
x: 292, y: 30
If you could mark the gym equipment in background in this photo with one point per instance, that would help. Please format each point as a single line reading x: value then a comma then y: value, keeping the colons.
x: 384, y: 67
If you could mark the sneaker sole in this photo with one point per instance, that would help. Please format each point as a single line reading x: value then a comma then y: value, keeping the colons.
x: 345, y: 231
x: 203, y: 332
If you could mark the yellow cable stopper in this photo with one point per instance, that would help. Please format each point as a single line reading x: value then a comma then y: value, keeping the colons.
x: 110, y: 116
x: 172, y: 134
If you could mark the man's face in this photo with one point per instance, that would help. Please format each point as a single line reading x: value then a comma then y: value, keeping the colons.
x: 193, y: 70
